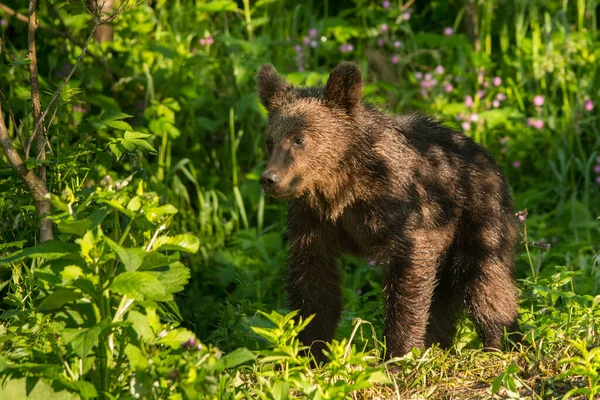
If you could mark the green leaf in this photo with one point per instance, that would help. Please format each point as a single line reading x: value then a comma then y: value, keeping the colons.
x: 75, y: 227
x: 116, y: 149
x: 141, y: 325
x: 82, y: 341
x: 18, y: 244
x: 140, y: 285
x: 33, y: 388
x: 237, y: 357
x: 176, y: 337
x: 136, y: 358
x: 281, y: 390
x: 119, y: 125
x: 58, y: 298
x: 131, y: 258
x: 219, y: 5
x: 184, y: 242
x: 129, y: 135
x: 86, y: 389
x: 175, y: 278
x: 92, y: 244
x: 50, y: 250
x: 134, y: 204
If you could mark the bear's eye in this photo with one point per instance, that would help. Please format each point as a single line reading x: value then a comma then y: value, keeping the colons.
x: 298, y: 141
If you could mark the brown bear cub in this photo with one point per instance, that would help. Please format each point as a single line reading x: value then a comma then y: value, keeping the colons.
x: 422, y: 201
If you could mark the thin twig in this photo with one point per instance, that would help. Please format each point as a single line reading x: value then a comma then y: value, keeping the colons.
x: 97, y: 22
x: 23, y: 18
x: 35, y: 185
x: 64, y: 82
x: 76, y: 42
x: 42, y: 205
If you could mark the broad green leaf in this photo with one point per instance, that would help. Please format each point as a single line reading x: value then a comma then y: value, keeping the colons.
x: 131, y: 258
x: 141, y: 144
x: 136, y: 358
x: 176, y: 337
x: 83, y: 340
x: 129, y: 135
x: 50, y: 250
x: 116, y: 149
x: 86, y: 389
x: 58, y: 298
x: 281, y: 390
x: 175, y: 278
x: 154, y: 260
x: 154, y: 214
x: 119, y: 125
x: 184, y: 242
x: 237, y: 357
x: 18, y: 244
x: 92, y: 244
x: 134, y: 204
x: 141, y: 325
x: 33, y: 388
x: 140, y: 285
x: 75, y: 227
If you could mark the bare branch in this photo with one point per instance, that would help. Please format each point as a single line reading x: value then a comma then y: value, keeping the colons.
x: 76, y: 42
x: 65, y: 80
x: 23, y: 18
x: 35, y: 185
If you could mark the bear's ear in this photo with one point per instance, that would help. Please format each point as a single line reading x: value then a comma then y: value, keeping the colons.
x: 344, y: 86
x: 271, y: 87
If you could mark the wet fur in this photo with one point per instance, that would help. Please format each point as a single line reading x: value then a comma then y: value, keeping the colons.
x: 425, y: 202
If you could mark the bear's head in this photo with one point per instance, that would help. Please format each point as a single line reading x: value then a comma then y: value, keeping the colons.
x: 310, y: 129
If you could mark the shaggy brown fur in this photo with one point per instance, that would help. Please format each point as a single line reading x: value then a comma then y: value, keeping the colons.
x: 424, y: 202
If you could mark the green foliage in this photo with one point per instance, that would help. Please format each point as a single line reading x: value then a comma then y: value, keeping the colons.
x: 163, y: 235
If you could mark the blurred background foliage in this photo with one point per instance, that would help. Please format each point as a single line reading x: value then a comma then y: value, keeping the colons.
x: 520, y: 76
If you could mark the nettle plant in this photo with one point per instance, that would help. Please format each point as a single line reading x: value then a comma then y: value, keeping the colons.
x: 89, y: 310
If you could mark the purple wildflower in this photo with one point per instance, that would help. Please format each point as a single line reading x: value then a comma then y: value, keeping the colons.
x: 538, y: 100
x: 466, y: 126
x: 589, y: 105
x: 481, y: 93
x: 397, y: 44
x: 505, y: 149
x: 448, y: 87
x: 474, y: 117
x: 380, y: 42
x: 522, y: 215
x: 516, y: 164
x: 597, y: 169
x: 468, y: 101
x: 306, y: 40
x: 298, y: 48
x: 406, y: 16
x: 395, y: 59
x: 384, y: 28
x: 428, y: 76
x: 386, y: 4
x: 448, y: 31
x: 312, y: 33
x: 497, y: 81
x: 598, y: 180
x: 418, y: 75
x: 3, y: 22
x: 501, y: 96
x: 313, y: 43
x: 439, y: 70
x: 496, y: 103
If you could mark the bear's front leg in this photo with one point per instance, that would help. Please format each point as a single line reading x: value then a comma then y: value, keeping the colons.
x: 409, y: 283
x: 313, y: 279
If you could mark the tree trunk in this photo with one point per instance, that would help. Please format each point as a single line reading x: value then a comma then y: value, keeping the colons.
x: 104, y: 33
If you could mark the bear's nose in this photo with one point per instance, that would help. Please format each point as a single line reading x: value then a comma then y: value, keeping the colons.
x: 268, y: 178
